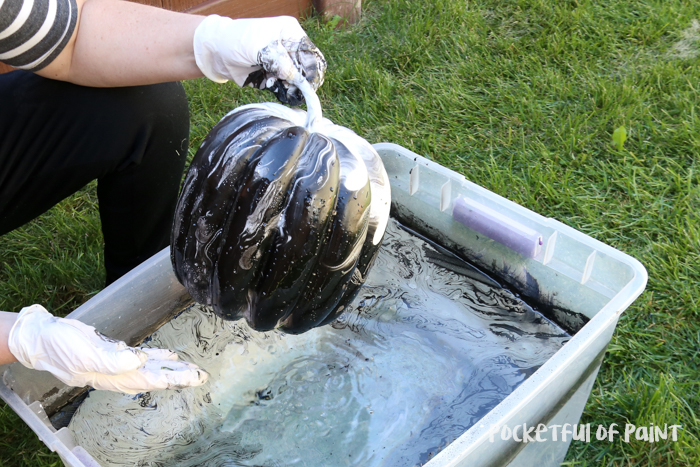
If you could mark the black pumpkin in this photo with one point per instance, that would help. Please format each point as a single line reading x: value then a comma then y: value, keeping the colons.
x: 277, y: 223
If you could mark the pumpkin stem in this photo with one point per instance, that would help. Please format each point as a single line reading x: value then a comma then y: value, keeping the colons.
x: 313, y: 104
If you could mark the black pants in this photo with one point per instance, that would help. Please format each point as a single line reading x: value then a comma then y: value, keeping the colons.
x: 56, y: 137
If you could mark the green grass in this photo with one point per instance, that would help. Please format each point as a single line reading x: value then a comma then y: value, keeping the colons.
x: 522, y: 97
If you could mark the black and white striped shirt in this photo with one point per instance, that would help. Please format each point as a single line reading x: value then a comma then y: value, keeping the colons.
x: 34, y: 32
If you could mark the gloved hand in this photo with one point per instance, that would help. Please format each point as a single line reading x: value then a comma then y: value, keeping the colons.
x: 267, y: 53
x: 78, y: 355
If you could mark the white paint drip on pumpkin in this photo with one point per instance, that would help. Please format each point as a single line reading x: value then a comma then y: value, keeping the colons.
x: 379, y: 180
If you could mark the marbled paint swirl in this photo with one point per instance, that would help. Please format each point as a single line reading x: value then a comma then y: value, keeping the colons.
x: 425, y: 350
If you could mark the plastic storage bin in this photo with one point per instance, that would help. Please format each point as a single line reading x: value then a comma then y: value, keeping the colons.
x: 583, y: 284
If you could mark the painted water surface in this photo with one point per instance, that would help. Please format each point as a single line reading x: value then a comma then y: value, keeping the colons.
x: 428, y: 347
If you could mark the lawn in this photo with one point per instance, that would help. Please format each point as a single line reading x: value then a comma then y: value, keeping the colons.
x: 522, y: 97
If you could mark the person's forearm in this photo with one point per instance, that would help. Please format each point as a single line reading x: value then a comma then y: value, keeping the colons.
x: 120, y: 43
x: 7, y: 320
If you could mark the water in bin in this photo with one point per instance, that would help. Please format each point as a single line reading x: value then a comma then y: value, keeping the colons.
x: 428, y: 347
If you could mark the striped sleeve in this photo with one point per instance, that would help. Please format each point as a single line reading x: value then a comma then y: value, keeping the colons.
x: 34, y: 32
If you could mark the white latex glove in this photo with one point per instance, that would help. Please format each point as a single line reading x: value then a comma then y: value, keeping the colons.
x: 79, y: 356
x: 267, y: 53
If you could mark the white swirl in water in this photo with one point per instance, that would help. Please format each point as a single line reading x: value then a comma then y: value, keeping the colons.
x: 422, y: 354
